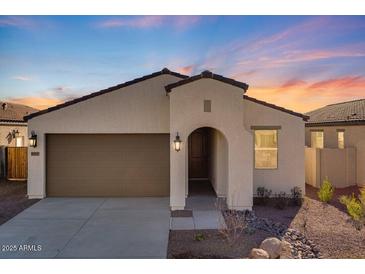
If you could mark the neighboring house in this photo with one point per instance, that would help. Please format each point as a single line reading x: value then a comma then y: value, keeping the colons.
x: 336, y: 134
x: 124, y: 141
x: 13, y: 128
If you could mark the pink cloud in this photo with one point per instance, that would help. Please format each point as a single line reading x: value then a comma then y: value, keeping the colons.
x: 133, y: 22
x: 186, y: 70
x: 36, y: 102
x: 293, y: 83
x: 17, y: 21
x: 143, y: 22
x: 346, y: 82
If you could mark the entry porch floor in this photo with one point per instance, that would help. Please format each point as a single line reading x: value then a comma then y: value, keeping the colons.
x: 202, y: 210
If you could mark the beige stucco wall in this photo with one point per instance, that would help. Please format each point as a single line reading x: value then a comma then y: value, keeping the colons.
x: 291, y: 169
x: 338, y: 165
x: 5, y: 129
x: 354, y: 137
x: 312, y: 166
x: 219, y: 163
x: 186, y: 115
x: 139, y: 108
x: 145, y: 108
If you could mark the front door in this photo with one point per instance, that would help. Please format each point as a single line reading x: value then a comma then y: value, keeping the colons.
x: 199, y: 154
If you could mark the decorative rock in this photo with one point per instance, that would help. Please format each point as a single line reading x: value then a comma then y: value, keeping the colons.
x: 272, y: 246
x: 257, y: 253
x: 301, y: 247
x: 286, y: 250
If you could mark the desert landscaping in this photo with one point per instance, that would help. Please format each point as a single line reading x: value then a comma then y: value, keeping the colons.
x: 312, y: 230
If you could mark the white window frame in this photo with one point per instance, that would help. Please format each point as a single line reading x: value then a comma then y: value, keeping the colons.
x: 317, y: 131
x: 338, y: 139
x: 276, y: 129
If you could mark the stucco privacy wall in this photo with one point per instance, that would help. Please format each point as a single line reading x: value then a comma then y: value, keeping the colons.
x: 291, y: 169
x: 354, y: 137
x: 187, y: 114
x: 139, y: 108
x: 5, y: 130
x: 219, y: 163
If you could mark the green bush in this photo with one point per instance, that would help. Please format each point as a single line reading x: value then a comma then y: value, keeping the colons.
x: 362, y: 197
x: 325, y: 193
x: 199, y: 237
x: 355, y: 207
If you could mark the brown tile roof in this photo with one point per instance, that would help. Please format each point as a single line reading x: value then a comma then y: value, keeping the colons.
x: 207, y: 74
x: 345, y: 113
x: 304, y: 117
x: 10, y: 112
x: 104, y: 91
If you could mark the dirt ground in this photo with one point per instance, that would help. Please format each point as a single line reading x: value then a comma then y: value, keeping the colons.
x: 183, y: 245
x: 328, y: 225
x: 13, y: 199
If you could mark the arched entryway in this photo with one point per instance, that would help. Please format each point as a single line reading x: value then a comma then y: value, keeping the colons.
x: 207, y: 163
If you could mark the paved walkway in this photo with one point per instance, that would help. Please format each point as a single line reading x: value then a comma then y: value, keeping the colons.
x: 205, y: 214
x: 89, y: 228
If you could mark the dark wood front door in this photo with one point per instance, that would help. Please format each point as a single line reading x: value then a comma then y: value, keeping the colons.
x: 199, y: 154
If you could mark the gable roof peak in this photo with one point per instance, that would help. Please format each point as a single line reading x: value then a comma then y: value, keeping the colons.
x: 210, y: 75
x: 206, y: 74
x: 165, y: 71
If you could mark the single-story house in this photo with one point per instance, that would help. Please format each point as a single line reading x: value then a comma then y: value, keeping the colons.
x: 151, y: 135
x: 13, y: 129
x: 336, y: 136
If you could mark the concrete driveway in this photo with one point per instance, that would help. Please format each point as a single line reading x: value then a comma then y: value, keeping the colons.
x: 89, y: 228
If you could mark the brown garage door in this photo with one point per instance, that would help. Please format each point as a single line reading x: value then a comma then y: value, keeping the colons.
x: 134, y: 165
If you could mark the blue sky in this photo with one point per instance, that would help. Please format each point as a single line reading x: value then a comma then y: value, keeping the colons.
x: 299, y: 62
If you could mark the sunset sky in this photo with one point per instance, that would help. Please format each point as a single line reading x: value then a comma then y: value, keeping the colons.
x: 297, y: 62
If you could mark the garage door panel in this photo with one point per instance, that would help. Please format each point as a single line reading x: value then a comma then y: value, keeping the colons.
x: 93, y: 187
x: 123, y: 165
x: 153, y: 188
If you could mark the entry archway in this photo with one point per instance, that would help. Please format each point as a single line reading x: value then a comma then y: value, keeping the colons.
x: 207, y: 163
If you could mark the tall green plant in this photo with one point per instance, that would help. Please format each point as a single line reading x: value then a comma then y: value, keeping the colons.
x: 354, y: 206
x: 326, y: 191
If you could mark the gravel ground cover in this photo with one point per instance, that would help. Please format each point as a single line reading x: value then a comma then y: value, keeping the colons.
x: 13, y: 199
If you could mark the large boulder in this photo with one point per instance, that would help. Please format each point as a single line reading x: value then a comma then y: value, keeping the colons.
x: 272, y: 246
x: 286, y: 250
x: 257, y: 253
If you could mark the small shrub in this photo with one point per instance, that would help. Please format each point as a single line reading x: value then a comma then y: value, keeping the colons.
x: 281, y: 200
x: 263, y: 195
x: 362, y: 196
x: 234, y: 227
x: 199, y: 237
x: 325, y: 193
x: 355, y: 207
x: 297, y: 196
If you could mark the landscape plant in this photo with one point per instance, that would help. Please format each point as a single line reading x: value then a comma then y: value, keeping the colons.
x: 199, y: 237
x: 263, y: 195
x: 281, y: 200
x: 326, y: 191
x: 355, y: 207
x: 297, y: 196
x: 233, y: 226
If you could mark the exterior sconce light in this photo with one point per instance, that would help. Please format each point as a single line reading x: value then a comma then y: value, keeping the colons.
x: 33, y: 139
x: 15, y: 133
x: 177, y: 142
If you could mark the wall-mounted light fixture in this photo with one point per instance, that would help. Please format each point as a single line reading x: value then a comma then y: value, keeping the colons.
x: 33, y: 139
x: 15, y: 133
x: 177, y: 142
